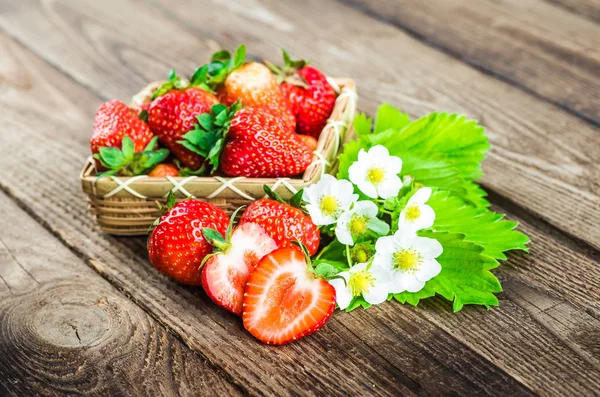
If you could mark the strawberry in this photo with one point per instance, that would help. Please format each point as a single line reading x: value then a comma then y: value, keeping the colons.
x: 310, y: 95
x: 283, y: 223
x: 254, y: 85
x: 309, y: 141
x: 248, y: 142
x: 165, y: 169
x: 225, y: 274
x: 113, y: 121
x: 173, y: 112
x: 177, y: 245
x: 283, y: 300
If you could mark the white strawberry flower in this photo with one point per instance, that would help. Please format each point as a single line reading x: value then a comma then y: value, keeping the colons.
x: 369, y: 281
x: 409, y: 258
x: 328, y: 199
x: 417, y: 215
x: 357, y: 221
x: 376, y: 172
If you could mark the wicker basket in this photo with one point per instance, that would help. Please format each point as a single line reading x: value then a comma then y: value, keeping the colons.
x: 126, y: 206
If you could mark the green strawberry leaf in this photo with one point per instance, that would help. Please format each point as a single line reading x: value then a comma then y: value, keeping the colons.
x: 462, y: 141
x: 465, y: 277
x: 479, y: 225
x: 476, y: 195
x: 390, y: 118
x: 362, y: 125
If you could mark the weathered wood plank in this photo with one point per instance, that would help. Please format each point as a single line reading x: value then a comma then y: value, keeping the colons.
x: 543, y: 158
x: 320, y: 360
x: 587, y: 8
x: 534, y: 45
x: 424, y: 354
x: 65, y: 330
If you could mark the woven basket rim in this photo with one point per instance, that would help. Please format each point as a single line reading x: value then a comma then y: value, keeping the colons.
x: 344, y: 111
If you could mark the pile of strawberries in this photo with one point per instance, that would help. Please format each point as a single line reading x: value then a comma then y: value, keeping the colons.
x: 239, y: 119
x: 254, y: 269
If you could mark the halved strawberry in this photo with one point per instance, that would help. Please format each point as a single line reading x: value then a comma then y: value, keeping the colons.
x: 283, y: 300
x: 225, y: 274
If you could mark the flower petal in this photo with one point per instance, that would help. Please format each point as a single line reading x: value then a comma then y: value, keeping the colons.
x: 383, y: 260
x: 377, y: 294
x: 411, y: 284
x: 429, y: 269
x: 390, y: 187
x: 378, y: 152
x: 393, y: 164
x: 365, y: 208
x: 367, y: 188
x: 429, y: 248
x: 343, y: 295
x: 386, y: 245
x: 403, y: 239
x: 342, y: 232
x: 426, y: 218
x: 421, y: 196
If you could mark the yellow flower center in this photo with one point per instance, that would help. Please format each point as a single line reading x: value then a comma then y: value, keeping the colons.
x: 358, y: 225
x: 360, y: 282
x: 407, y: 260
x: 375, y: 175
x: 413, y: 213
x: 329, y: 205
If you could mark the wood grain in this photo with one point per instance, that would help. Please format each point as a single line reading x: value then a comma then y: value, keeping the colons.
x: 65, y: 330
x: 542, y: 157
x: 390, y: 349
x: 320, y: 360
x: 532, y: 44
x: 586, y: 8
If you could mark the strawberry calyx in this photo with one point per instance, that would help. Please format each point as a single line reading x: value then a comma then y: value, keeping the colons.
x: 289, y: 72
x: 221, y: 64
x: 127, y: 162
x: 208, y: 136
x: 295, y: 201
x: 175, y: 82
x: 216, y: 239
x: 319, y: 269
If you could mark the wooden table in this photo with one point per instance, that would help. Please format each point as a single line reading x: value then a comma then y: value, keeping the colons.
x: 82, y: 312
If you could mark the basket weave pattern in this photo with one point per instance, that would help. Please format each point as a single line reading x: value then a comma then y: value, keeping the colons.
x: 126, y: 206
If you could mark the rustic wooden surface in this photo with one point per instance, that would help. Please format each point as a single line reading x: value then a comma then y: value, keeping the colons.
x: 84, y: 313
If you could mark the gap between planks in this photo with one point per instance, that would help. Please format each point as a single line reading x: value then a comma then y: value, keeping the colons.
x: 489, y: 71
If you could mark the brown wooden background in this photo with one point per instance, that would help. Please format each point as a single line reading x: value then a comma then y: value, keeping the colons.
x: 85, y: 313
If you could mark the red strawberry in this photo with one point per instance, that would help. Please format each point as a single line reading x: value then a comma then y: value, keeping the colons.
x: 177, y: 246
x: 283, y: 301
x: 254, y: 85
x: 173, y: 113
x: 311, y: 97
x: 248, y: 142
x: 259, y: 146
x: 310, y: 142
x: 283, y: 223
x: 225, y: 274
x: 165, y: 169
x: 113, y: 121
